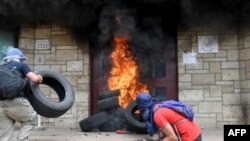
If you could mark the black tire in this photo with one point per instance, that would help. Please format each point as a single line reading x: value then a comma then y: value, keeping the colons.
x: 42, y: 104
x: 108, y: 103
x: 133, y: 120
x: 109, y: 94
x: 94, y: 121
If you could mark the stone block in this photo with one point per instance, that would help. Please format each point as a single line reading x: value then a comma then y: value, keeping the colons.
x: 193, y: 39
x: 71, y: 55
x: 184, y: 44
x: 245, y: 99
x: 63, y: 40
x: 27, y: 32
x: 232, y: 111
x: 210, y: 107
x: 49, y: 57
x: 230, y: 65
x: 221, y: 53
x: 86, y: 59
x: 86, y: 69
x: 245, y: 84
x: 230, y: 74
x: 203, y: 79
x: 39, y: 59
x: 231, y: 99
x: 185, y: 85
x: 227, y: 88
x: 233, y: 55
x: 191, y: 95
x: 41, y: 33
x: 247, y: 65
x: 56, y: 67
x: 229, y: 40
x: 184, y: 77
x: 247, y: 41
x: 83, y: 87
x: 81, y: 97
x: 198, y: 65
x: 181, y: 68
x: 215, y: 90
x: 244, y: 54
x: 26, y: 43
x: 83, y: 79
x: 218, y: 77
x: 75, y: 66
x: 215, y: 67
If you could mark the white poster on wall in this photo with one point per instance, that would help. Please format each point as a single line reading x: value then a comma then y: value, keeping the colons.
x: 189, y: 57
x: 208, y: 44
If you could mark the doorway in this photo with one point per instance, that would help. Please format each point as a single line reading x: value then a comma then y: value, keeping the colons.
x: 8, y: 38
x: 160, y: 75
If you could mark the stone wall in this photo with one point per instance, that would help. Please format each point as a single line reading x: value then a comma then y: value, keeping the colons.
x: 64, y: 55
x: 212, y: 86
x: 217, y: 87
x: 244, y: 53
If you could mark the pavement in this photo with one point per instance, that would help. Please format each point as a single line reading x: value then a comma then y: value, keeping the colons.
x: 77, y: 135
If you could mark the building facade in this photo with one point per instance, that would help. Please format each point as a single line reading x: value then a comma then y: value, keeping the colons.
x: 216, y: 86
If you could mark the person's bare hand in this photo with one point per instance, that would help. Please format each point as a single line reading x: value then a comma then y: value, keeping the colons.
x: 40, y: 79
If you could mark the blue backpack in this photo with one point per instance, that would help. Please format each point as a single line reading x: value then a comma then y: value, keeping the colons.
x: 179, y: 107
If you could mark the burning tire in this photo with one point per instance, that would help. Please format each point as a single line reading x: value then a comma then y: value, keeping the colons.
x: 94, y: 121
x: 42, y: 104
x: 108, y: 103
x: 108, y: 94
x: 133, y: 119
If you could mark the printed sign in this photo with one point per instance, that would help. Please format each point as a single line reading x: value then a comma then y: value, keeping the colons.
x: 189, y: 58
x: 208, y: 44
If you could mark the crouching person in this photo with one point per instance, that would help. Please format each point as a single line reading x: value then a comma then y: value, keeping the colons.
x: 17, y: 109
x: 173, y: 125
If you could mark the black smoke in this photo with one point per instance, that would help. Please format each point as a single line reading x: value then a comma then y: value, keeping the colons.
x: 85, y: 13
x: 216, y: 13
x: 147, y: 22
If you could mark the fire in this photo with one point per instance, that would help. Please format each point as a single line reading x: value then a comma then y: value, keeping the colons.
x: 124, y: 73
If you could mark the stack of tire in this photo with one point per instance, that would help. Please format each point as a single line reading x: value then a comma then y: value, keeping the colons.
x: 41, y: 103
x: 108, y: 107
x: 130, y: 118
x: 134, y: 120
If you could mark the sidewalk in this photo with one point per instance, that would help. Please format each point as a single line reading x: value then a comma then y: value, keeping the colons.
x: 74, y: 135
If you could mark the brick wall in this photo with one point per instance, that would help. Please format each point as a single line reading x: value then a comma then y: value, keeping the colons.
x: 64, y: 55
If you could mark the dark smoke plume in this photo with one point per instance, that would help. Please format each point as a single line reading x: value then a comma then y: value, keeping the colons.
x: 84, y: 15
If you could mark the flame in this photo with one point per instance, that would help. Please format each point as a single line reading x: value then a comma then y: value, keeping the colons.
x: 124, y: 73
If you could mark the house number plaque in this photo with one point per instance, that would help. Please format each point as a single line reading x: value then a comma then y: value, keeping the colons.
x: 42, y: 44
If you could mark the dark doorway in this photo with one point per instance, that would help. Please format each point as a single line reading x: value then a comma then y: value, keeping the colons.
x: 8, y: 38
x: 153, y: 42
